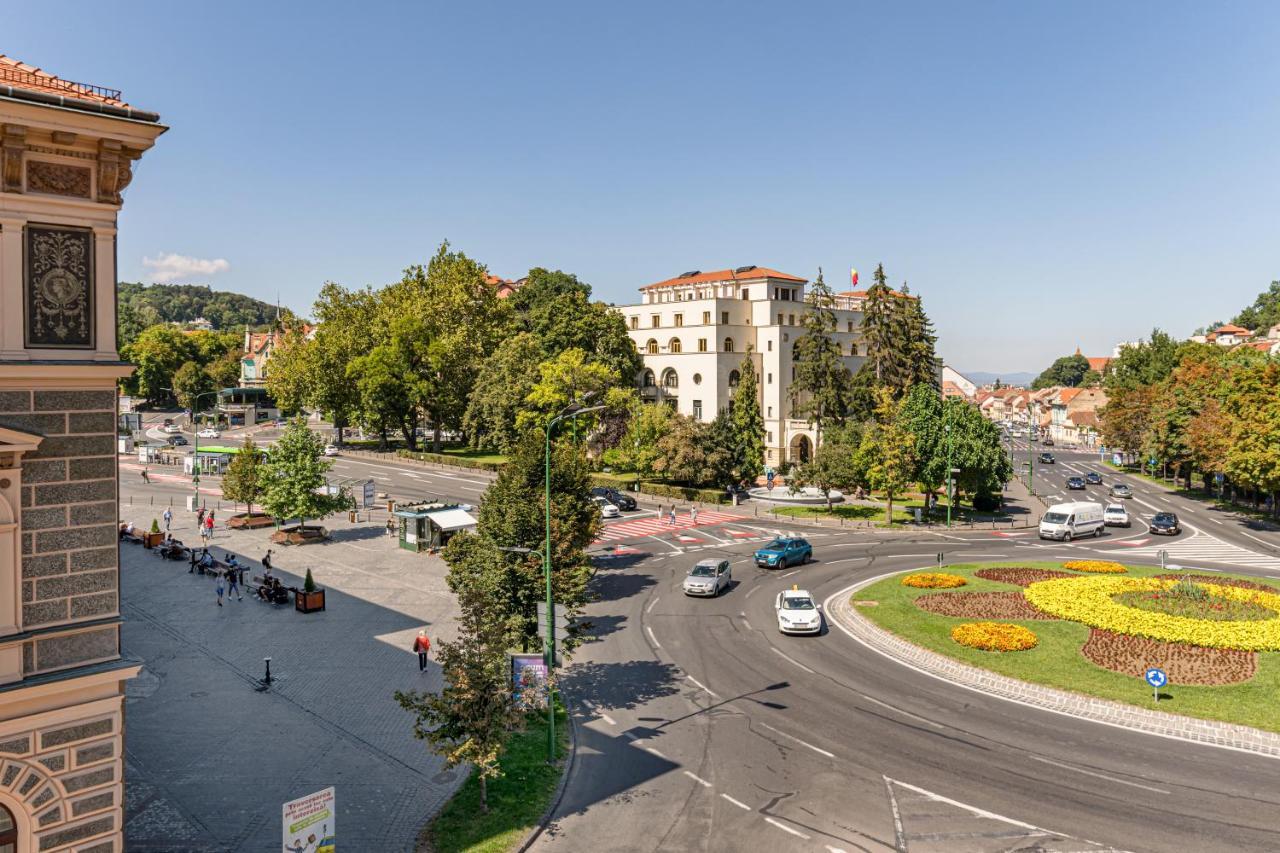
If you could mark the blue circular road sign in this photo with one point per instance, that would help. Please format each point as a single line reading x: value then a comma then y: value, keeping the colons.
x: 1156, y: 677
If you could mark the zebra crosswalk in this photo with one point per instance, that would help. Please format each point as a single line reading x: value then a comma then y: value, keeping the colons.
x: 659, y: 525
x: 1201, y: 546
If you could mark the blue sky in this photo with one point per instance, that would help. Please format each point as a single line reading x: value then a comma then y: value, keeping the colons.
x: 1046, y: 175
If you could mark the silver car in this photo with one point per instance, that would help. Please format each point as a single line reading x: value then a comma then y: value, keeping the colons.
x: 707, y: 578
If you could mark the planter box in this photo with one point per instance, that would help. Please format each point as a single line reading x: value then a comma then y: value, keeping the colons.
x: 151, y: 540
x: 308, y: 602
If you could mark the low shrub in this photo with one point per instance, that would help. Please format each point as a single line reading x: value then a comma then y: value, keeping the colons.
x: 994, y: 636
x: 986, y: 502
x: 933, y: 580
x: 1097, y: 567
x: 445, y: 459
x: 688, y: 493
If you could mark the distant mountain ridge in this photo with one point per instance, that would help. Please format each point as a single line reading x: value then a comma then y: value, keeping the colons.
x: 184, y: 303
x: 985, y: 378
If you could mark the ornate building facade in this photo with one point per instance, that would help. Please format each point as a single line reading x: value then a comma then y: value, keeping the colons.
x: 694, y: 330
x: 66, y: 156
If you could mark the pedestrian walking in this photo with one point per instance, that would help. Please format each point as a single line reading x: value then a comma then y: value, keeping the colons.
x: 233, y: 579
x: 266, y: 561
x: 200, y: 518
x: 192, y: 570
x: 208, y: 526
x: 422, y: 646
x: 693, y: 516
x: 146, y: 478
x: 220, y: 584
x: 168, y: 517
x: 673, y: 515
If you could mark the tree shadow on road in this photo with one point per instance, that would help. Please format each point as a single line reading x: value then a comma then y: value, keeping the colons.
x: 620, y: 685
x: 617, y: 586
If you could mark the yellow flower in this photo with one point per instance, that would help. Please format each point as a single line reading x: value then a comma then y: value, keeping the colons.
x: 933, y: 580
x: 994, y: 636
x: 1101, y: 567
x: 1089, y: 601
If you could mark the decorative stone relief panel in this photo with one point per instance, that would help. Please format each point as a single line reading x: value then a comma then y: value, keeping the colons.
x: 59, y: 287
x: 59, y: 179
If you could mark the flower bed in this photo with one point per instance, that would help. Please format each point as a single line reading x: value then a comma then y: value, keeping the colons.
x: 1183, y: 664
x: 994, y: 636
x: 933, y: 580
x: 1020, y: 575
x: 1098, y: 567
x: 1215, y: 608
x: 1089, y: 601
x: 980, y: 605
x: 1219, y: 580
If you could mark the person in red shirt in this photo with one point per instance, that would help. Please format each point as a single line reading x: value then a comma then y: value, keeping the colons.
x: 422, y: 646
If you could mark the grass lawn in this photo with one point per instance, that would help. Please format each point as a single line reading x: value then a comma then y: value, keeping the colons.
x: 468, y: 453
x: 1057, y: 660
x: 849, y: 512
x: 617, y: 479
x: 517, y: 799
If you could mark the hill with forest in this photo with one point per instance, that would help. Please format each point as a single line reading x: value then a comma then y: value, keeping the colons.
x: 142, y: 305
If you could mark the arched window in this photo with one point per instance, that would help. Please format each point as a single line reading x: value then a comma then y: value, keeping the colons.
x: 8, y: 831
x: 853, y: 348
x: 648, y: 380
x: 651, y: 347
x: 734, y: 378
x: 673, y: 345
x: 669, y: 379
x: 728, y: 344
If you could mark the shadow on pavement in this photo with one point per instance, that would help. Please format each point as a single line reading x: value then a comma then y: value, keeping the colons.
x: 620, y: 685
x: 615, y: 587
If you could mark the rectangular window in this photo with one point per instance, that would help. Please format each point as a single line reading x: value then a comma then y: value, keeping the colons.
x: 769, y: 438
x: 769, y: 412
x: 706, y: 318
x: 770, y: 378
x: 702, y: 344
x: 791, y: 319
x: 697, y: 410
x: 655, y: 320
x: 635, y: 322
x: 724, y: 317
x: 744, y: 293
x: 780, y: 318
x: 679, y: 319
x: 770, y: 345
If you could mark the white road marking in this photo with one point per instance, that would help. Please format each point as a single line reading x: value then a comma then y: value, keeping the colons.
x: 750, y: 591
x: 607, y: 718
x: 737, y: 803
x: 652, y: 636
x: 1214, y: 520
x: 831, y: 849
x: 651, y: 603
x: 1256, y: 539
x: 703, y: 782
x: 785, y: 656
x: 786, y: 828
x: 743, y: 616
x: 702, y: 686
x: 845, y: 560
x: 629, y: 736
x: 1147, y: 505
x: 789, y: 574
x: 818, y: 750
x: 897, y: 710
x: 655, y: 752
x: 1096, y: 775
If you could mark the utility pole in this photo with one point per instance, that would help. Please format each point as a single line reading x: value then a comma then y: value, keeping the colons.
x: 946, y: 428
x: 1031, y: 463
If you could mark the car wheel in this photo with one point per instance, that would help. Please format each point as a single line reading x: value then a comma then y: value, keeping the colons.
x: 1066, y: 537
x: 782, y: 564
x: 1097, y: 532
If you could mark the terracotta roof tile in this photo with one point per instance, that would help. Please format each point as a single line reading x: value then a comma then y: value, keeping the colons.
x: 1098, y: 363
x: 752, y: 274
x: 1230, y: 329
x: 23, y: 76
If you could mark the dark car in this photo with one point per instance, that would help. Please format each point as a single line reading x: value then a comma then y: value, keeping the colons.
x: 784, y: 551
x: 1093, y: 478
x: 1048, y: 442
x: 176, y: 441
x: 1046, y: 459
x: 1166, y: 524
x: 615, y: 497
x: 1075, y: 482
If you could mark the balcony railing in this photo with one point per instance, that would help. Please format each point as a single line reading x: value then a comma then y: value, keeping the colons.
x: 19, y: 77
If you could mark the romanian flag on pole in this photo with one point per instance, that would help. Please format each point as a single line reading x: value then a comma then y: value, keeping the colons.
x: 853, y: 277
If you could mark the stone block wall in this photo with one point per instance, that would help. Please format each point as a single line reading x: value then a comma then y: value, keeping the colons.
x: 70, y: 569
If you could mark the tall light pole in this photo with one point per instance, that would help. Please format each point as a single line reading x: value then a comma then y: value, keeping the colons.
x: 1031, y: 462
x: 946, y: 428
x: 195, y: 441
x: 549, y: 652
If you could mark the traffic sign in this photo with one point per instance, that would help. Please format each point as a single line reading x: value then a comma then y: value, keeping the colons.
x: 1157, y: 679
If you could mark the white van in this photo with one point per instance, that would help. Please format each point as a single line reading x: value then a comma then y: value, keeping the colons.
x: 1067, y: 521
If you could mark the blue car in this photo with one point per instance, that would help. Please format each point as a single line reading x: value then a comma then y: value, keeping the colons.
x: 783, y: 552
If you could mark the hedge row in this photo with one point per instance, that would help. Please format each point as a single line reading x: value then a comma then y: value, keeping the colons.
x: 445, y: 459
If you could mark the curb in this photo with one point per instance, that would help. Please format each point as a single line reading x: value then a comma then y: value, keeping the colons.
x: 570, y: 760
x: 1107, y: 712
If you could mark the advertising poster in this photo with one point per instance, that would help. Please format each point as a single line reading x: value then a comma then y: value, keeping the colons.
x: 310, y: 823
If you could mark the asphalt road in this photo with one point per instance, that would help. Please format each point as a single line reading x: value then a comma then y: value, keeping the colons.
x: 702, y: 728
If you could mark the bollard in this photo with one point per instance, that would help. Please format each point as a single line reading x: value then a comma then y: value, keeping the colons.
x: 267, y: 678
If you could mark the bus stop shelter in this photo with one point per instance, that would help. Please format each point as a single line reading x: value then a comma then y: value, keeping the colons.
x: 427, y: 526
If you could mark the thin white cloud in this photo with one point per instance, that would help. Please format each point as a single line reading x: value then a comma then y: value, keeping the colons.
x: 170, y: 267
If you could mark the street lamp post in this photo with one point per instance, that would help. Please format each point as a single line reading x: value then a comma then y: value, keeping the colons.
x: 1031, y: 462
x: 549, y: 653
x: 946, y: 428
x: 195, y: 441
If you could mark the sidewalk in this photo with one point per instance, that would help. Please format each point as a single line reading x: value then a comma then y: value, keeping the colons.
x: 211, y: 756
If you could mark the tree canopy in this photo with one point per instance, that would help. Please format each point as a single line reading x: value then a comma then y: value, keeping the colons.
x: 1068, y: 371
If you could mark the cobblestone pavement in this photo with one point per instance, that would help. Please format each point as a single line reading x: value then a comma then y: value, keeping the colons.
x: 211, y: 756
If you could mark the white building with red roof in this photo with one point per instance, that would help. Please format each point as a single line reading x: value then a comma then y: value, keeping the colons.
x: 693, y: 331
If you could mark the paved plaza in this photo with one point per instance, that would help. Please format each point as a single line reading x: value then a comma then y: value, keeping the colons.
x: 211, y: 756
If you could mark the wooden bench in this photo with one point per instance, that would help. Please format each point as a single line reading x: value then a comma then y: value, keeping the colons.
x: 260, y: 582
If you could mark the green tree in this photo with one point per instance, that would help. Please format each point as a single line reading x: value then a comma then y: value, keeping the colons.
x: 820, y: 392
x: 293, y: 475
x: 567, y: 378
x: 499, y: 396
x: 381, y: 379
x: 347, y: 330
x: 880, y: 334
x: 512, y: 516
x: 886, y: 457
x: 467, y: 722
x: 1067, y: 371
x: 748, y: 422
x: 682, y: 452
x: 832, y: 466
x: 1263, y: 313
x: 242, y: 483
x: 189, y: 381
x: 1145, y: 363
x: 921, y: 364
x: 638, y: 449
x: 158, y: 353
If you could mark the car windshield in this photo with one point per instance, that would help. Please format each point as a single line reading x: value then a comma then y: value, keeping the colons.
x: 1055, y: 517
x: 777, y: 543
x: 1165, y: 517
x: 797, y: 602
x: 1115, y: 508
x: 703, y: 572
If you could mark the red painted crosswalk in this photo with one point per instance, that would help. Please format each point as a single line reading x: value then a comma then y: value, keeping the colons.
x: 658, y: 526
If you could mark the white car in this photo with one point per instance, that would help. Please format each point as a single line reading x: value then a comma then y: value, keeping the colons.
x: 607, y: 510
x: 209, y: 432
x: 331, y: 450
x: 797, y: 612
x: 707, y: 578
x: 1115, y: 515
x: 172, y: 429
